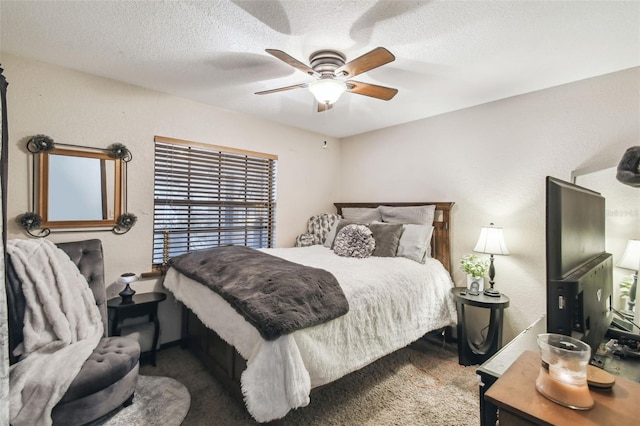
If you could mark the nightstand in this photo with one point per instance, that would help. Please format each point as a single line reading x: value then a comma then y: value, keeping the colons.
x: 468, y: 352
x: 145, y: 304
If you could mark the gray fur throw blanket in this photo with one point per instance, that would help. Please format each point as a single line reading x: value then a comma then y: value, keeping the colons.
x: 62, y: 327
x: 629, y: 167
x: 274, y: 295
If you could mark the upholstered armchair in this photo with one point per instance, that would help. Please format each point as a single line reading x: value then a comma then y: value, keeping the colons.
x: 108, y: 379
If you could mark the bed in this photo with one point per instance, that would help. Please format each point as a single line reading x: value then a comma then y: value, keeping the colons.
x: 393, y: 301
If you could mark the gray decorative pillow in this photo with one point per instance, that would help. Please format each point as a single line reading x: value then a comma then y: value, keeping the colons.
x: 415, y: 242
x: 354, y: 241
x: 321, y: 224
x: 416, y: 215
x: 387, y: 238
x: 306, y: 240
x: 331, y: 235
x: 361, y: 214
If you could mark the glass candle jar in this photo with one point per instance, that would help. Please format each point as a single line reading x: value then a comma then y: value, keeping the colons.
x: 563, y: 373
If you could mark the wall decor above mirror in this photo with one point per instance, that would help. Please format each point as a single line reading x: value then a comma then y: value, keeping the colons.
x: 628, y: 171
x: 77, y: 187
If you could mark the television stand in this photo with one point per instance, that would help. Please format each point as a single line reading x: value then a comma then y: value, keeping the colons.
x: 489, y: 372
x: 521, y: 404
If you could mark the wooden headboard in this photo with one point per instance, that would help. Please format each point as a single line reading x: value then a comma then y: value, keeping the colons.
x: 441, y: 241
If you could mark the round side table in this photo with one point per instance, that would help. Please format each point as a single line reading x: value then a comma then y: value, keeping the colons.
x: 468, y: 352
x: 141, y: 304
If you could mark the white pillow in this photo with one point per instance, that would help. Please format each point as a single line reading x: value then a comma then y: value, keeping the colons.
x: 361, y: 214
x: 428, y: 251
x: 415, y: 242
x: 416, y: 215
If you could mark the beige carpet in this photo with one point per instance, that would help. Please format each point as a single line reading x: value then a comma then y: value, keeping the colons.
x: 422, y: 384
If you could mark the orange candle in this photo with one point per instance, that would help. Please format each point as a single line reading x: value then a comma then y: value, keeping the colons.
x: 572, y: 395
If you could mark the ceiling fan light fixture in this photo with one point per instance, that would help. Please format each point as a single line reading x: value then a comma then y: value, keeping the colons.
x: 327, y: 91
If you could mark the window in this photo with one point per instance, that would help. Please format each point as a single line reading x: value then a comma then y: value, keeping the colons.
x: 208, y: 196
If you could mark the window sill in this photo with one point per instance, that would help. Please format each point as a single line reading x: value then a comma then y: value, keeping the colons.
x: 155, y: 273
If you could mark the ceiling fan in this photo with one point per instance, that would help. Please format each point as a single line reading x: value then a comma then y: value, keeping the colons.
x: 331, y: 72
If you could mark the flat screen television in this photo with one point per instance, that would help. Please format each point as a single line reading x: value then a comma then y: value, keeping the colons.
x: 579, y: 271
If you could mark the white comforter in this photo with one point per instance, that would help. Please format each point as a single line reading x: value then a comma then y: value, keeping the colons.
x: 392, y: 302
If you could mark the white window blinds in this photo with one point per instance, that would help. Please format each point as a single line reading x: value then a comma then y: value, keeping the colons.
x: 208, y: 196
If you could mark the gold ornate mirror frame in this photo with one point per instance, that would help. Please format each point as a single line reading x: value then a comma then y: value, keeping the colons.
x: 103, y: 177
x: 76, y: 187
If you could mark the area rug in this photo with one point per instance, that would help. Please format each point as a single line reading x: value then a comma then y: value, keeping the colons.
x: 422, y: 384
x: 409, y: 387
x: 158, y: 401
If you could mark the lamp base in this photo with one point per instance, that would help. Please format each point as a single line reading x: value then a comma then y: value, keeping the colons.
x: 492, y: 292
x: 632, y: 294
x: 127, y: 294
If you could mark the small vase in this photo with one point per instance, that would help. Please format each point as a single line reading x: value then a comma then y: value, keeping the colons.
x: 475, y: 284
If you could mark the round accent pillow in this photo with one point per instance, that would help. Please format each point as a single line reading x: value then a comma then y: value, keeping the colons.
x: 354, y: 241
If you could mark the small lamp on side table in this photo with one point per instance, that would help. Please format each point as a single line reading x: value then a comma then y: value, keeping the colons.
x: 631, y: 260
x: 491, y: 241
x: 128, y: 292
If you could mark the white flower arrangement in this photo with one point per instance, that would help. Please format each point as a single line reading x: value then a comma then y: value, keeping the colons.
x: 474, y: 266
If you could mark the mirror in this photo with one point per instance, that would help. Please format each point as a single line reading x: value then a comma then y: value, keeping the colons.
x: 622, y: 220
x: 79, y: 188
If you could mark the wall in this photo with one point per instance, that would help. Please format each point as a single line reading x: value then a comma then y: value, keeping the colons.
x: 491, y: 160
x: 82, y: 109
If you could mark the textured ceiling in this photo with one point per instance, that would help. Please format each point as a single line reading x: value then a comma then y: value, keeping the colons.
x: 449, y: 54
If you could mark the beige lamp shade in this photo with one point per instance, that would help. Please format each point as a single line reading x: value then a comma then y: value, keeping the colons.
x: 491, y: 241
x: 631, y: 257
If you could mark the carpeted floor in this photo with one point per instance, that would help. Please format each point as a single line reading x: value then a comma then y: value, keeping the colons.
x: 422, y: 384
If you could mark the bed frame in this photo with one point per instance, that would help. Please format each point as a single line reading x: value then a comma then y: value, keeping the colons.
x: 223, y: 360
x: 441, y: 241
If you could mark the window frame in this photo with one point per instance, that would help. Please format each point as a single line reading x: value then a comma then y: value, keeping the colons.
x: 185, y: 182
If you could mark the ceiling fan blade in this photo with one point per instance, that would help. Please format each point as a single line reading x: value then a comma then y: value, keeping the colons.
x: 372, y: 90
x: 289, y: 60
x: 377, y: 57
x: 324, y: 107
x: 282, y: 89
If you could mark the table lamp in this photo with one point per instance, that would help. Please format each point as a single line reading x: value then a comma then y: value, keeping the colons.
x: 491, y: 241
x: 128, y: 292
x: 631, y: 260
